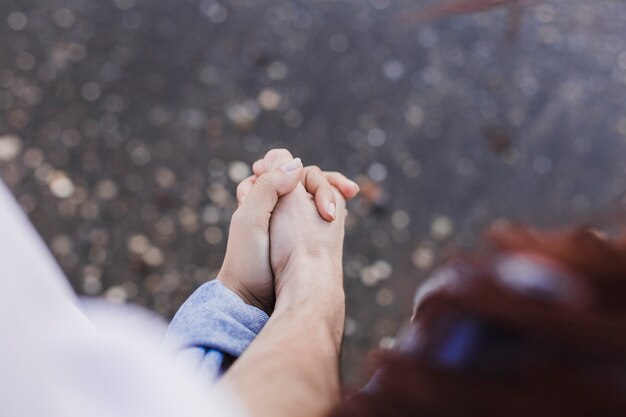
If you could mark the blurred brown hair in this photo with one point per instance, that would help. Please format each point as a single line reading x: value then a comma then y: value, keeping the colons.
x: 583, y: 374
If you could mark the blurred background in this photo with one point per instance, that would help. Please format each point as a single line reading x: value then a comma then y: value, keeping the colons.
x: 125, y: 126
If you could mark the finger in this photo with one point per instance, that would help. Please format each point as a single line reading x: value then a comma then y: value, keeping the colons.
x: 259, y: 167
x: 244, y: 188
x: 342, y: 213
x: 277, y: 158
x: 316, y: 184
x: 257, y: 207
x: 349, y: 189
x: 341, y: 203
x: 273, y: 159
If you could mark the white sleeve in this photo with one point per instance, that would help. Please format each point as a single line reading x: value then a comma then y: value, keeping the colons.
x: 54, y: 361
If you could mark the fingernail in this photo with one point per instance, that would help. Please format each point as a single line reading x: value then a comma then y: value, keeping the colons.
x: 356, y: 186
x: 293, y: 165
x: 332, y: 210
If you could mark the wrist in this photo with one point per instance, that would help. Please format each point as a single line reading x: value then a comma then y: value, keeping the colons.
x: 307, y: 277
x: 313, y: 287
x: 241, y: 292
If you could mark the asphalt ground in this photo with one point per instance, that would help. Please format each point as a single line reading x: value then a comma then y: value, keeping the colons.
x: 125, y: 126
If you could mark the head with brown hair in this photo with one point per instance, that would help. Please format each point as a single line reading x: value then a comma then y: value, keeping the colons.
x: 536, y: 327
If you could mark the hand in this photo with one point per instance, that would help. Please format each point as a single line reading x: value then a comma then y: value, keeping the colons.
x: 300, y: 344
x: 246, y: 269
x: 317, y: 182
x: 306, y: 252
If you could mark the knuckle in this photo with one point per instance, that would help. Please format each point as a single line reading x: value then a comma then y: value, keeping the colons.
x: 266, y: 182
x: 315, y: 169
x: 314, y: 177
x: 279, y: 152
x: 327, y: 190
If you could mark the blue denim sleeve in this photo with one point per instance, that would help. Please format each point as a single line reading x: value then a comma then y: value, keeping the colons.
x: 214, y: 327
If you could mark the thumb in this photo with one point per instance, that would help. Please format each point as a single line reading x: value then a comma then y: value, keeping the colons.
x: 260, y: 202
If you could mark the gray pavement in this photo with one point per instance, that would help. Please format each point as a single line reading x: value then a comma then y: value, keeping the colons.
x: 126, y: 124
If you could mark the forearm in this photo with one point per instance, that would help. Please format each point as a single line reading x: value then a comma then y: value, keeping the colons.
x: 292, y: 367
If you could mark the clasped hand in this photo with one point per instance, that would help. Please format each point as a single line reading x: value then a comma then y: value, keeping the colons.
x: 289, y: 219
